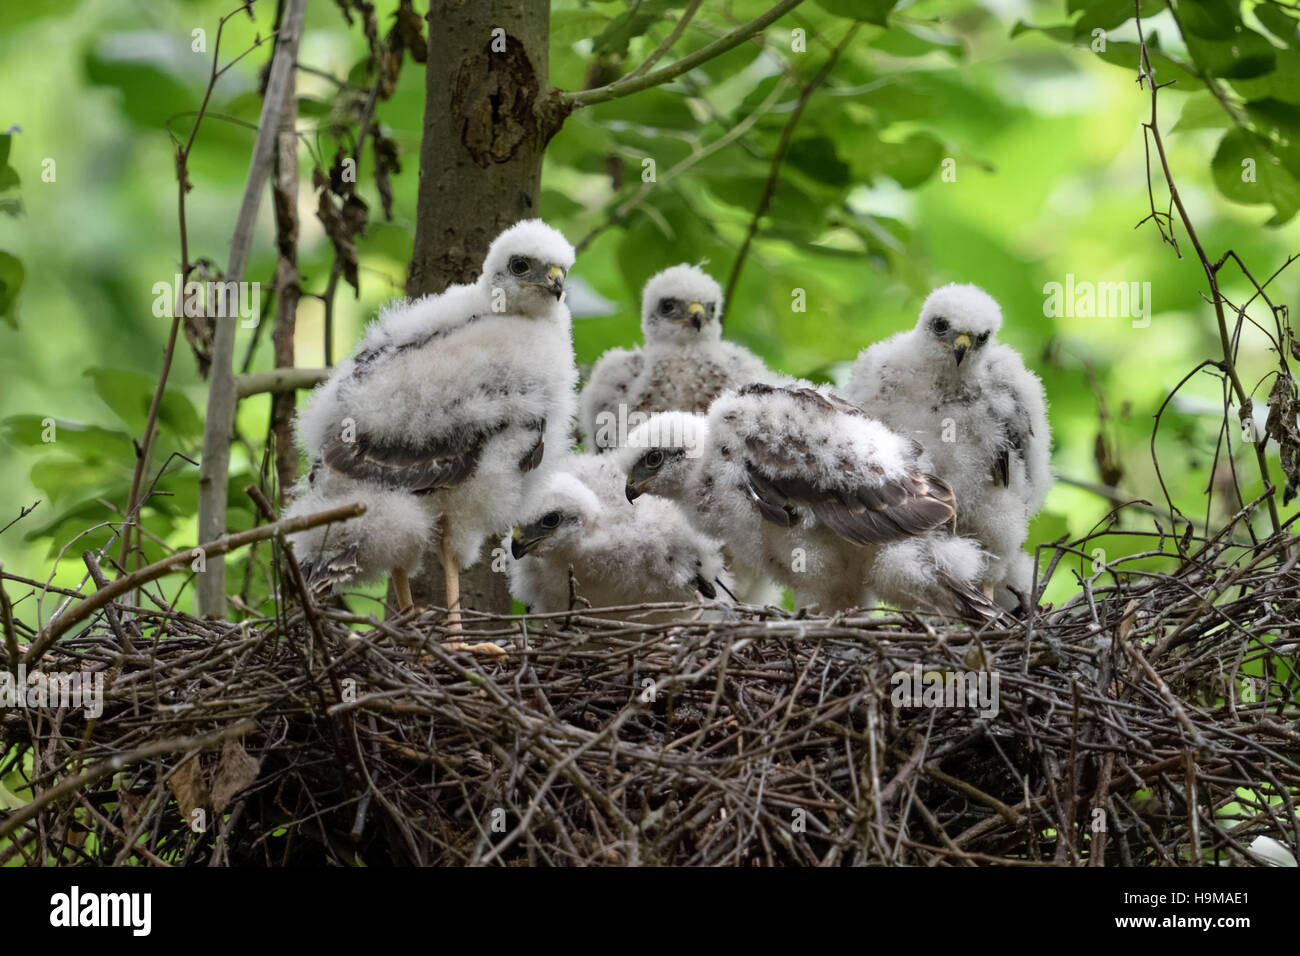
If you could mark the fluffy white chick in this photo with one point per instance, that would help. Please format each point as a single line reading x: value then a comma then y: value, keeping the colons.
x: 579, y: 519
x: 454, y: 400
x: 981, y: 417
x: 392, y: 533
x: 683, y: 365
x: 817, y: 495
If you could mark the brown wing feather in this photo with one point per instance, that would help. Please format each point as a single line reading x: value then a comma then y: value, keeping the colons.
x: 857, y: 512
x: 416, y: 468
x: 805, y: 395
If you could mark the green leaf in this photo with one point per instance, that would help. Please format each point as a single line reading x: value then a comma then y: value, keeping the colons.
x: 11, y: 282
x: 1277, y: 22
x: 915, y: 39
x: 147, y: 68
x: 570, y: 26
x: 1062, y: 32
x: 815, y: 155
x: 1246, y: 170
x: 912, y: 161
x: 1047, y: 526
x: 1282, y: 83
x: 614, y: 40
x: 1108, y: 14
x: 129, y: 395
x: 557, y: 205
x: 77, y: 519
x: 1202, y: 111
x: 870, y: 11
x: 654, y: 107
x: 1208, y: 19
x: 86, y: 442
x: 1124, y: 54
x: 1242, y: 54
x: 1271, y: 112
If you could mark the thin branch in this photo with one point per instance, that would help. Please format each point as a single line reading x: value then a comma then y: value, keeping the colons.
x: 7, y: 627
x: 1228, y: 365
x: 778, y: 157
x: 22, y: 513
x: 215, y: 465
x: 278, y: 380
x: 674, y: 35
x: 175, y: 562
x: 70, y: 785
x: 627, y: 85
x: 730, y: 136
x: 144, y: 451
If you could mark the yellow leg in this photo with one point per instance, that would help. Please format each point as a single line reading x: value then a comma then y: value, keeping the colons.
x: 402, y: 585
x: 452, y: 571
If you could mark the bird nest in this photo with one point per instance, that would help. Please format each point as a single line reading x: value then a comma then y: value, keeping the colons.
x: 1149, y: 720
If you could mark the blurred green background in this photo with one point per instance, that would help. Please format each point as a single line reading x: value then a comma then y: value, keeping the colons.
x: 1043, y: 136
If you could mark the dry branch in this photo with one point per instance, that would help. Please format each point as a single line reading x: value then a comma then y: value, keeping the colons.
x: 215, y: 548
x: 221, y: 391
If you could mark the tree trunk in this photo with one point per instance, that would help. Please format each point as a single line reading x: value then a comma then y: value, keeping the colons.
x: 489, y: 113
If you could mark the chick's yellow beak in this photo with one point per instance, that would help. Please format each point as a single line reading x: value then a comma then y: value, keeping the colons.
x: 960, y: 346
x: 555, y: 276
x: 696, y: 311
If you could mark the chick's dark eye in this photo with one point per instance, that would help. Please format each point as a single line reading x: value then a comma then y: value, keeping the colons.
x: 551, y: 520
x: 665, y: 306
x: 518, y: 265
x: 984, y: 337
x: 939, y: 325
x: 654, y: 459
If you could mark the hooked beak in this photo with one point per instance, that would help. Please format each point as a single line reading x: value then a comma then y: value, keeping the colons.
x: 632, y: 491
x: 555, y: 277
x: 520, y: 544
x: 696, y: 312
x: 960, y: 346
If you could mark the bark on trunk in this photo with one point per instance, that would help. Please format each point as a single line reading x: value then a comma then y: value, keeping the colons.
x: 489, y: 113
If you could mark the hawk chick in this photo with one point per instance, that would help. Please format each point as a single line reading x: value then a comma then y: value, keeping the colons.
x: 820, y: 497
x: 684, y: 364
x: 619, y: 555
x: 452, y: 400
x: 981, y: 417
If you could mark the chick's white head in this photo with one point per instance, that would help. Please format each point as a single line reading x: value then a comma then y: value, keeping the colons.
x: 681, y: 304
x: 661, y: 452
x: 525, y: 268
x: 561, y: 512
x: 957, y: 322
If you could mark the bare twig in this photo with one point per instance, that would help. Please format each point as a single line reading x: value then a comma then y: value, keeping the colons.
x: 215, y: 463
x: 215, y: 548
x: 635, y: 83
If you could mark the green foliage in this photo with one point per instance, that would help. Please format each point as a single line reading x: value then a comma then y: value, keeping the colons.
x: 947, y: 144
x: 1254, y: 76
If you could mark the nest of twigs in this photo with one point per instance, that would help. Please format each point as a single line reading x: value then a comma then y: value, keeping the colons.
x: 1150, y: 720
